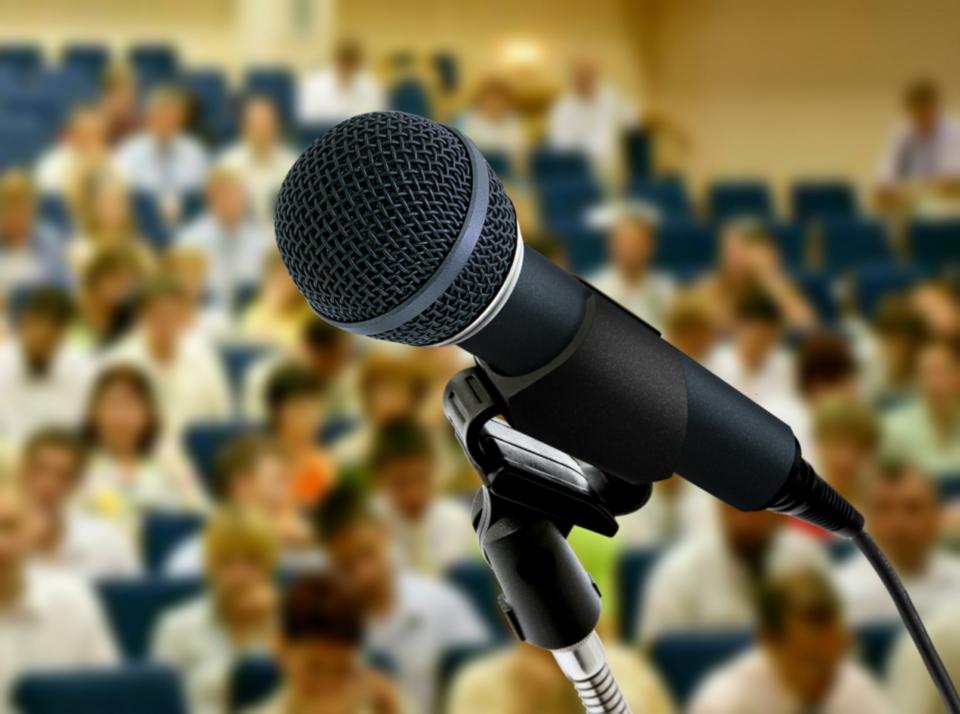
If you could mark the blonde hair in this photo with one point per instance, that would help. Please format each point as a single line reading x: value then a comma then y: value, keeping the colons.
x: 243, y: 531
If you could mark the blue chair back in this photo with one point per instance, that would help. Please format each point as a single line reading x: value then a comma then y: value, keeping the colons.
x: 22, y: 140
x: 306, y: 134
x: 203, y: 442
x: 633, y: 573
x: 130, y: 690
x: 252, y: 682
x: 475, y: 580
x: 151, y: 223
x: 501, y: 164
x: 91, y: 60
x: 447, y: 68
x: 277, y: 83
x: 21, y: 58
x: 53, y: 211
x: 686, y: 246
x: 875, y: 283
x: 816, y: 200
x: 731, y: 199
x: 669, y: 195
x: 548, y: 164
x: 410, y: 96
x: 585, y: 248
x: 875, y: 643
x: 215, y: 108
x: 935, y: 244
x: 639, y: 150
x: 949, y: 486
x: 818, y: 289
x: 791, y: 239
x: 164, y: 532
x: 134, y: 607
x: 685, y: 659
x: 157, y: 62
x: 565, y: 202
x: 852, y: 242
x: 237, y: 361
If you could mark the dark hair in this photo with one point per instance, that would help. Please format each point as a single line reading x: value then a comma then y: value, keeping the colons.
x: 134, y: 379
x: 238, y: 458
x: 824, y: 357
x: 347, y: 505
x: 896, y: 316
x: 921, y: 93
x: 58, y: 438
x: 47, y: 303
x: 400, y: 439
x: 895, y: 472
x: 291, y: 381
x: 808, y: 593
x: 107, y: 262
x: 321, y: 607
x: 758, y: 306
x: 319, y: 334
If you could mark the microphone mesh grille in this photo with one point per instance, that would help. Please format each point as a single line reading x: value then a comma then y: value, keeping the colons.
x: 370, y: 210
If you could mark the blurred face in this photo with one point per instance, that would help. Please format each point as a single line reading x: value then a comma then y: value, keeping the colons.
x: 50, y: 476
x: 809, y: 652
x: 17, y: 216
x: 694, y: 339
x: 165, y: 118
x: 361, y: 554
x: 40, y: 337
x: 924, y: 117
x: 317, y: 670
x: 265, y: 487
x: 904, y: 517
x: 236, y: 574
x: 121, y: 417
x: 756, y: 339
x: 409, y: 486
x: 260, y: 124
x: 391, y: 397
x: 632, y: 245
x: 940, y: 310
x: 164, y: 321
x: 494, y: 101
x: 749, y: 534
x: 88, y: 132
x: 298, y: 419
x: 190, y: 270
x: 939, y: 375
x: 584, y: 78
x: 898, y: 352
x: 15, y: 535
x: 842, y: 459
x: 328, y: 359
x: 227, y: 200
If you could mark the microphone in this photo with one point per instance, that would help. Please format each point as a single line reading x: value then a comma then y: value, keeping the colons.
x: 394, y: 226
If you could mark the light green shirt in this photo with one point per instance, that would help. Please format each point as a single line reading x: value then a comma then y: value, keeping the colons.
x: 910, y: 434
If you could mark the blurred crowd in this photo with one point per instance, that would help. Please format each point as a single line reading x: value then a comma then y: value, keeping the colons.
x: 277, y: 497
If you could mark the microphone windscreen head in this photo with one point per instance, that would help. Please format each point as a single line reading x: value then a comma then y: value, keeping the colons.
x: 393, y: 225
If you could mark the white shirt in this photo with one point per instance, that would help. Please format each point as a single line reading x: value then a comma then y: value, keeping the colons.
x: 648, y: 299
x: 868, y: 601
x: 594, y: 126
x: 428, y: 618
x: 910, y: 156
x: 191, y: 640
x: 262, y: 175
x: 91, y: 548
x: 57, y: 625
x: 55, y: 398
x: 750, y: 685
x: 324, y: 98
x: 909, y: 683
x: 235, y: 256
x: 667, y: 517
x: 774, y: 381
x: 441, y: 538
x: 191, y: 388
x: 699, y: 584
x: 169, y: 170
x: 505, y: 133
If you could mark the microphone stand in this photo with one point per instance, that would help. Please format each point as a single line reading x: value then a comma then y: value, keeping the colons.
x: 532, y: 497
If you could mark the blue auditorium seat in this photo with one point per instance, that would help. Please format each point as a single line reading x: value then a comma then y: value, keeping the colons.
x: 565, y: 202
x: 237, y: 361
x: 639, y: 151
x: 154, y: 62
x: 476, y: 581
x: 548, y: 164
x: 456, y: 658
x: 633, y: 572
x: 91, y: 59
x: 410, y: 96
x: 935, y: 244
x: 500, y: 163
x: 277, y: 83
x: 684, y: 659
x: 253, y: 681
x: 686, y: 246
x: 730, y: 199
x: 585, y: 248
x: 21, y: 58
x: 669, y: 195
x: 134, y: 608
x: 164, y: 532
x: 21, y: 141
x: 306, y: 134
x: 203, y: 443
x: 53, y: 210
x: 215, y: 108
x: 818, y: 289
x: 791, y: 239
x: 447, y: 67
x: 875, y: 644
x: 816, y: 200
x: 874, y: 283
x: 128, y: 690
x: 150, y: 222
x: 949, y: 485
x: 852, y: 242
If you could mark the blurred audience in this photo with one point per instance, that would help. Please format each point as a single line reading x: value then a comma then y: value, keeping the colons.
x: 847, y: 437
x: 51, y: 473
x: 120, y: 104
x: 903, y: 510
x: 898, y: 333
x: 43, y: 377
x: 690, y: 325
x: 48, y: 620
x: 493, y: 123
x: 827, y: 368
x: 411, y: 619
x: 80, y: 159
x: 709, y: 581
x: 278, y: 313
x: 321, y: 636
x: 910, y: 687
x: 342, y: 90
x: 106, y: 222
x: 107, y: 293
x: 30, y: 249
x: 203, y: 639
x: 799, y: 663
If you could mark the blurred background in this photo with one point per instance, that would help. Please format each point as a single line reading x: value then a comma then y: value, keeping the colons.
x: 212, y: 502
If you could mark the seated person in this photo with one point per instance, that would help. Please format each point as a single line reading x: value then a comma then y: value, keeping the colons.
x: 106, y: 303
x: 909, y: 684
x: 106, y: 221
x: 203, y: 639
x: 343, y: 89
x: 318, y: 647
x: 897, y: 334
x: 903, y: 511
x: 690, y: 325
x: 826, y: 367
x: 52, y: 468
x: 132, y: 469
x: 524, y: 678
x: 278, y: 313
x: 492, y: 121
x: 431, y: 531
x: 48, y: 621
x: 411, y: 619
x: 847, y: 437
x: 799, y: 663
x: 252, y: 473
x: 207, y: 320
x: 294, y: 397
x: 926, y: 430
x: 80, y: 158
x: 749, y: 547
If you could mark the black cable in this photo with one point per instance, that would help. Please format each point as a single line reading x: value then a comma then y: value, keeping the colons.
x: 911, y: 619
